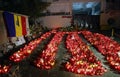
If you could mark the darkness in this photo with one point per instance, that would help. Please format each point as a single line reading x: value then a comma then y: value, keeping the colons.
x: 26, y: 7
x: 83, y: 13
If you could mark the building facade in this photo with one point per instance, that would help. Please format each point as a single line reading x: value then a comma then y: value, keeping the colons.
x: 61, y: 12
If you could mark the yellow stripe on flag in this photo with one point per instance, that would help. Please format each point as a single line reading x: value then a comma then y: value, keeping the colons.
x: 18, y: 25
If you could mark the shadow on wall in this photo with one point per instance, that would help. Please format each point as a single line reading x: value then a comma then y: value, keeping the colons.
x: 3, y: 34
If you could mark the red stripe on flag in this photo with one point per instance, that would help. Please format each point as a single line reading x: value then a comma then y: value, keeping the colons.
x: 23, y: 20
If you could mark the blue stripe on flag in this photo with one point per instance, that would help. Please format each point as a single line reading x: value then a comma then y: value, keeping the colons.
x: 9, y: 21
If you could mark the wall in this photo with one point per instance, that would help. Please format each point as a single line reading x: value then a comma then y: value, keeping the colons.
x: 55, y: 21
x: 105, y: 15
x: 3, y: 34
x: 59, y: 7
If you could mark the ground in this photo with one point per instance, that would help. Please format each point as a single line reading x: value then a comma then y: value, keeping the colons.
x: 26, y: 69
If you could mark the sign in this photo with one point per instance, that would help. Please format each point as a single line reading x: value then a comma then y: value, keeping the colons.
x: 66, y: 16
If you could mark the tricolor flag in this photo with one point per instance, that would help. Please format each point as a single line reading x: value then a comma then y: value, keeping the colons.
x: 15, y: 24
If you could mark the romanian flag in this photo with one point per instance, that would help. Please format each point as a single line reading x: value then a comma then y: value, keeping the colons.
x: 15, y: 24
x: 9, y: 21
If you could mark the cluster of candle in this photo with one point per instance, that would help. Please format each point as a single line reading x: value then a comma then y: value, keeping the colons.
x: 4, y: 69
x: 83, y: 60
x: 46, y: 59
x: 108, y: 47
x: 28, y: 49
